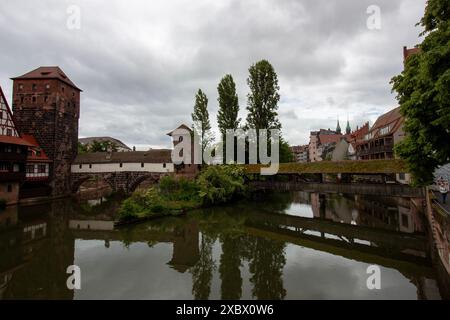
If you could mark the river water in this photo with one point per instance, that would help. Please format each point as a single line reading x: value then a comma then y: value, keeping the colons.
x: 293, y: 245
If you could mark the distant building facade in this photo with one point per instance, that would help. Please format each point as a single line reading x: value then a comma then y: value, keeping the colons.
x: 379, y: 142
x: 321, y: 143
x: 46, y: 105
x: 300, y: 153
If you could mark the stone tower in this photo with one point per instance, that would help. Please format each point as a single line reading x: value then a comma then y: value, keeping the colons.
x: 46, y: 105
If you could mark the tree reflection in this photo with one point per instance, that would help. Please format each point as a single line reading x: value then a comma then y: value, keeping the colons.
x: 230, y: 263
x: 266, y: 266
x: 203, y: 270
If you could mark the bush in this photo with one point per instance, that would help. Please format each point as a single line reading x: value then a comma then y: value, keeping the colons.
x: 182, y: 189
x: 219, y: 184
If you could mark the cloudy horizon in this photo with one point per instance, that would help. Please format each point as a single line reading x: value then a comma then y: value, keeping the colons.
x: 140, y: 63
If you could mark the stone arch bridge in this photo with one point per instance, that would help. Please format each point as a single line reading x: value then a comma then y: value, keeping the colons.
x: 122, y: 171
x: 124, y: 181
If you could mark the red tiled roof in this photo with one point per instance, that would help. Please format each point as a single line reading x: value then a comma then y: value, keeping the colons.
x: 48, y: 73
x: 392, y: 118
x: 35, y: 148
x: 330, y: 138
x: 14, y: 140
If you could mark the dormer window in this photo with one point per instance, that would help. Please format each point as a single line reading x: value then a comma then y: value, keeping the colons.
x: 385, y: 130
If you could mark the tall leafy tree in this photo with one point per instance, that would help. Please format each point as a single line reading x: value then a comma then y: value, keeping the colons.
x: 423, y: 91
x: 262, y: 104
x: 200, y: 116
x: 227, y: 117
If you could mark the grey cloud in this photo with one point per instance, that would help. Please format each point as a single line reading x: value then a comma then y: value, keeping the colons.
x: 141, y: 63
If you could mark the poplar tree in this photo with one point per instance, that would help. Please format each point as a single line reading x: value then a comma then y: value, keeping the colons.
x: 200, y: 117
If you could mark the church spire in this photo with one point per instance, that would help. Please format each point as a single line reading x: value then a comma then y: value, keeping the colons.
x: 338, y: 127
x: 348, y: 129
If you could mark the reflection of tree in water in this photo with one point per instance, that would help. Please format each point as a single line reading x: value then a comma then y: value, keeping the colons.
x: 266, y: 266
x: 230, y: 262
x: 202, y: 272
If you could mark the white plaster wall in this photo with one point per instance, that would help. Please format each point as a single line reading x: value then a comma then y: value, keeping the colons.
x: 115, y: 167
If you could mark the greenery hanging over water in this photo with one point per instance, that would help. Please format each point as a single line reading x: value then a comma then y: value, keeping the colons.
x: 214, y: 185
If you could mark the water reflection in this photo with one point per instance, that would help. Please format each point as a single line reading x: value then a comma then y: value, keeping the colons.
x: 277, y: 246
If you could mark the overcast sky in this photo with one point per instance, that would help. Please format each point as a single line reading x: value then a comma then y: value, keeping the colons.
x: 141, y: 62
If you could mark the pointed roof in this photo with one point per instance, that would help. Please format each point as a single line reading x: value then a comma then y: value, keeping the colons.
x: 348, y: 129
x: 182, y: 126
x: 51, y: 72
x: 338, y: 128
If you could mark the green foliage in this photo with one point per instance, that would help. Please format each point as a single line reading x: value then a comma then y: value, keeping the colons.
x: 82, y: 149
x: 263, y: 98
x: 181, y: 189
x: 200, y: 116
x: 285, y: 152
x: 424, y: 97
x: 170, y: 196
x: 102, y: 146
x: 219, y: 184
x: 227, y: 117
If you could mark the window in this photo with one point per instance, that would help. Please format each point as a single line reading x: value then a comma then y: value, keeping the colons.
x: 42, y: 168
x: 180, y: 138
x: 22, y: 99
x: 90, y: 166
x: 47, y: 86
x: 4, y: 167
x: 164, y: 165
x: 142, y: 165
x: 385, y: 130
x: 405, y: 221
x: 121, y: 165
x: 1, y: 114
x: 401, y: 176
x: 9, y: 133
x: 73, y: 94
x: 10, y: 188
x: 62, y: 88
x: 34, y: 99
x: 20, y: 86
x: 30, y: 168
x: 34, y: 86
x: 80, y: 166
x: 45, y: 98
